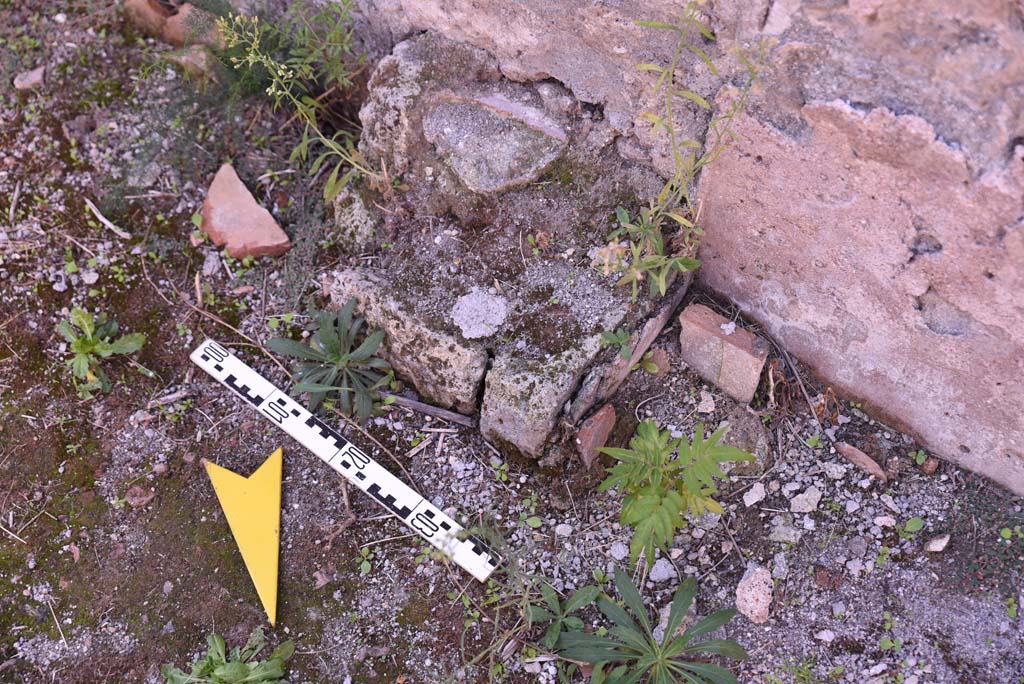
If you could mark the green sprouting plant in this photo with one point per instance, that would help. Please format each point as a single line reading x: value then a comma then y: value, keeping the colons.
x: 910, y: 528
x: 558, y: 615
x: 365, y: 560
x: 333, y: 365
x: 500, y: 471
x: 664, y: 478
x: 90, y: 340
x: 617, y: 338
x: 647, y: 363
x: 650, y: 260
x: 289, y: 77
x: 631, y: 653
x: 889, y: 642
x: 647, y: 262
x: 528, y: 514
x: 239, y: 665
x: 918, y: 456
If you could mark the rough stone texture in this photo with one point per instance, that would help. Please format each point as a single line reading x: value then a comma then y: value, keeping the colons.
x: 732, y: 360
x: 591, y: 48
x: 30, y: 80
x: 662, y: 571
x: 492, y: 143
x: 197, y: 62
x: 754, y: 495
x: 805, y: 502
x: 233, y: 218
x: 440, y: 366
x: 869, y: 215
x: 754, y: 594
x: 418, y: 69
x: 747, y: 432
x: 892, y: 273
x: 594, y: 433
x: 522, y: 398
x: 146, y: 15
x: 356, y: 225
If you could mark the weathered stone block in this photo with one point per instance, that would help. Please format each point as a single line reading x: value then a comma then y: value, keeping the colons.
x: 720, y: 352
x: 522, y: 398
x: 869, y: 213
x: 493, y: 143
x: 356, y: 224
x: 441, y: 367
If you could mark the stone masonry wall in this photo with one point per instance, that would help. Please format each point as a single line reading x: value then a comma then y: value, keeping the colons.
x: 870, y: 214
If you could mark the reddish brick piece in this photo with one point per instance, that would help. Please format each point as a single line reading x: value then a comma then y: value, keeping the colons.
x: 232, y: 218
x: 594, y: 432
x: 732, y: 360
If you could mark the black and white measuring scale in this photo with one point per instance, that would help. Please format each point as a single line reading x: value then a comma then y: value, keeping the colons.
x: 466, y: 550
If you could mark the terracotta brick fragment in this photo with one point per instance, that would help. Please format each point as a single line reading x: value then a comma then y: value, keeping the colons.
x: 722, y: 352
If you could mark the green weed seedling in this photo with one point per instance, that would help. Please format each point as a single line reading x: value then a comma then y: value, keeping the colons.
x: 559, y: 616
x: 908, y: 529
x: 336, y: 364
x: 90, y: 340
x: 889, y: 642
x: 650, y: 260
x: 365, y: 560
x: 629, y: 652
x: 618, y: 338
x: 238, y: 666
x: 663, y: 478
x: 500, y: 471
x: 295, y: 57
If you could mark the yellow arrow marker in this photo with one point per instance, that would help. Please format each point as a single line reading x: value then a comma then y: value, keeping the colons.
x: 252, y: 506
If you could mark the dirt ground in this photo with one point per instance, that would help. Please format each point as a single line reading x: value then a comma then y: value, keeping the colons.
x: 115, y: 557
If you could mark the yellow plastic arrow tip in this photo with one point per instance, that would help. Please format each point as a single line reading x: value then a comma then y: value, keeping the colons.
x: 252, y: 506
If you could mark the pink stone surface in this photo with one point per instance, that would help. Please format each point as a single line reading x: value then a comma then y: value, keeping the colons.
x: 754, y: 594
x: 30, y: 80
x: 894, y: 271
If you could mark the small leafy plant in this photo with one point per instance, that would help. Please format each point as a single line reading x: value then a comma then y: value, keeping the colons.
x: 889, y: 641
x: 296, y: 58
x: 234, y: 667
x: 365, y: 560
x: 90, y: 340
x: 630, y: 653
x: 333, y: 365
x: 910, y: 528
x: 647, y: 262
x: 650, y: 260
x: 618, y: 338
x: 664, y: 478
x: 560, y: 615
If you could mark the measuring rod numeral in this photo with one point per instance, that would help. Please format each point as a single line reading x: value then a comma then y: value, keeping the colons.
x: 441, y: 531
x: 349, y: 460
